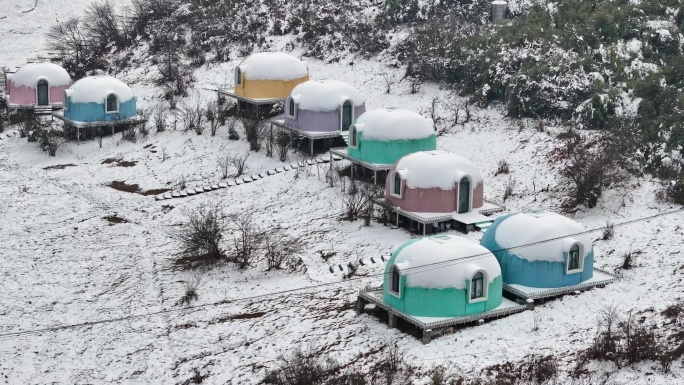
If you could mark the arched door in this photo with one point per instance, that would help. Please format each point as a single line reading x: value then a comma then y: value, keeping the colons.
x: 347, y: 113
x: 43, y: 99
x: 464, y: 196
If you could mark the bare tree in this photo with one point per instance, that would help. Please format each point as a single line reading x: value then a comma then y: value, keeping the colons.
x: 358, y: 201
x: 389, y: 80
x: 49, y: 138
x: 159, y: 116
x: 301, y: 368
x: 199, y: 238
x: 509, y: 188
x: 213, y: 119
x: 248, y: 239
x: 99, y: 135
x: 431, y: 111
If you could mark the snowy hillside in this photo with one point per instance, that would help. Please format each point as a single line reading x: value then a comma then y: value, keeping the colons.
x: 74, y: 250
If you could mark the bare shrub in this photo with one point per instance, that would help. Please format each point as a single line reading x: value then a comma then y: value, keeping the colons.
x: 394, y: 361
x: 199, y: 238
x: 191, y: 294
x: 358, y: 201
x: 628, y: 260
x: 237, y: 161
x: 538, y: 319
x: 283, y: 143
x: 28, y: 125
x: 248, y: 239
x: 608, y: 231
x: 99, y: 135
x: 129, y: 134
x: 193, y: 114
x: 254, y: 132
x: 587, y: 167
x: 300, y: 367
x: 414, y: 84
x: 280, y: 248
x: 509, y: 187
x: 232, y: 132
x: 159, y: 117
x: 50, y: 139
x: 502, y: 167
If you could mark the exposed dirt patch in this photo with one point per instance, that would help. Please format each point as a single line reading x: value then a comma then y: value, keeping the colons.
x: 135, y: 188
x: 114, y: 220
x: 59, y: 166
x: 249, y: 315
x: 166, y: 208
x: 120, y: 162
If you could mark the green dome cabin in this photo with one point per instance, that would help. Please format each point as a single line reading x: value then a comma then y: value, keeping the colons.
x: 442, y: 276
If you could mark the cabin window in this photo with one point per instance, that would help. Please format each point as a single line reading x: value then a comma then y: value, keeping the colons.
x: 395, y: 185
x: 43, y: 91
x: 464, y: 195
x: 112, y: 103
x: 395, y: 280
x: 353, y: 142
x: 238, y: 76
x: 574, y: 258
x: 477, y: 288
x: 347, y: 115
x: 291, y: 108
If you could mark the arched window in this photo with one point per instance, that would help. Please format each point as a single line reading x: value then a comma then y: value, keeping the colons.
x: 464, y: 195
x: 395, y: 185
x: 574, y: 258
x: 42, y: 90
x: 395, y: 280
x: 112, y: 104
x: 238, y: 76
x: 347, y: 115
x: 291, y: 108
x: 352, y: 137
x: 477, y: 288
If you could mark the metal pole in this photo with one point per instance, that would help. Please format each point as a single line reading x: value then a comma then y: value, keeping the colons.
x: 375, y: 176
x: 311, y: 145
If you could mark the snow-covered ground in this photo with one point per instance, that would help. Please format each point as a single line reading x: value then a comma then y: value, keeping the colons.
x: 62, y: 263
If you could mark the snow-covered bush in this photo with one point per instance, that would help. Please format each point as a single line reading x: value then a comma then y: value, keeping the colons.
x: 199, y: 238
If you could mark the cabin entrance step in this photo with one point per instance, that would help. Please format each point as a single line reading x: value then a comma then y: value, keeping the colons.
x: 482, y: 226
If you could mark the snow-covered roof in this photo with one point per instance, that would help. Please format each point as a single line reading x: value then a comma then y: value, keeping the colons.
x: 95, y: 89
x: 29, y: 75
x: 325, y: 95
x: 445, y: 261
x: 537, y: 226
x: 273, y: 66
x: 427, y: 169
x: 394, y: 124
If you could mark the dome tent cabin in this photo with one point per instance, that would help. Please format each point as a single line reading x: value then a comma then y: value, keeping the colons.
x: 378, y: 138
x: 37, y: 86
x: 437, y: 189
x: 265, y: 78
x: 540, y: 251
x: 442, y: 279
x: 321, y: 110
x: 97, y: 101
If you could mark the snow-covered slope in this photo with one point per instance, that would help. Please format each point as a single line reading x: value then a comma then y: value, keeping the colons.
x: 63, y: 263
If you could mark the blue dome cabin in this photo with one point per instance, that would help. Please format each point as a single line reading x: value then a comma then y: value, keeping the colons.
x: 99, y: 99
x: 566, y: 260
x: 442, y: 276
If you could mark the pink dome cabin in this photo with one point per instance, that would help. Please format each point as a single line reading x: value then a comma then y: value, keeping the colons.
x: 38, y: 84
x: 435, y: 182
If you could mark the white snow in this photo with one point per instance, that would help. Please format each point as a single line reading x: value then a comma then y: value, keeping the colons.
x: 445, y: 261
x: 29, y: 75
x: 95, y: 89
x: 427, y: 169
x: 325, y: 95
x: 394, y: 124
x: 273, y: 66
x: 533, y: 226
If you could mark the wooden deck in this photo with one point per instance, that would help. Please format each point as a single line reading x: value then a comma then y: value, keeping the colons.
x: 600, y: 279
x: 432, y: 327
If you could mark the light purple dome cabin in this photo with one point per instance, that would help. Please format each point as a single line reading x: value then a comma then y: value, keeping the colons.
x: 323, y: 106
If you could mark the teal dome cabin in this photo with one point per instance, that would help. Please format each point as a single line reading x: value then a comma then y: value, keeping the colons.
x: 566, y: 260
x: 99, y: 99
x: 442, y: 276
x: 383, y: 136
